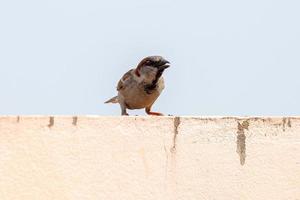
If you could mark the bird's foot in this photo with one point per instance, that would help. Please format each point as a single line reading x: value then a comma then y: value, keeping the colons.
x: 155, y: 113
x: 148, y: 111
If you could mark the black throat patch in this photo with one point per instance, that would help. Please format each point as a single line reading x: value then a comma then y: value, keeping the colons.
x: 149, y: 88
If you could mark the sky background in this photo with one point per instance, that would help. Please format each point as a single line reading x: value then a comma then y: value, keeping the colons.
x: 228, y: 57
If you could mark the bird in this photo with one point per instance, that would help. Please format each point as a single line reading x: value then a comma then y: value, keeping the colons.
x: 140, y: 87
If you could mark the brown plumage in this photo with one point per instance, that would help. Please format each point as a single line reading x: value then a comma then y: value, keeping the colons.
x: 140, y: 87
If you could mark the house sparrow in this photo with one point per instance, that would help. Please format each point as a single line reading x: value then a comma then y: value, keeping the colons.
x: 140, y: 87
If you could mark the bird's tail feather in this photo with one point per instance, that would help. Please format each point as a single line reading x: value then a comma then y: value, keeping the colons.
x: 112, y: 100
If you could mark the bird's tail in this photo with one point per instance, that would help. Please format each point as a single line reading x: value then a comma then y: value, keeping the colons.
x: 112, y: 100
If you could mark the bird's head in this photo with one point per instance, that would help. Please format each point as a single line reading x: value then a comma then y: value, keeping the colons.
x: 152, y: 66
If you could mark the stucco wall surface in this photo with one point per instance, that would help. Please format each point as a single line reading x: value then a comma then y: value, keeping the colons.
x: 149, y: 158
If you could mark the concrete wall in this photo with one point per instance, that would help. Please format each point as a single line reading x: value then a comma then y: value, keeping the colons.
x: 149, y: 158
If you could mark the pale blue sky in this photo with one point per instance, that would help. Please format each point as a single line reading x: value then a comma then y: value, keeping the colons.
x: 228, y: 57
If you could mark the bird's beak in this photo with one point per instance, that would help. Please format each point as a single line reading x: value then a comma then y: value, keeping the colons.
x: 164, y: 64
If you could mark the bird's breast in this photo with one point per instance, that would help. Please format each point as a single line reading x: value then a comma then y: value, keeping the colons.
x: 138, y: 96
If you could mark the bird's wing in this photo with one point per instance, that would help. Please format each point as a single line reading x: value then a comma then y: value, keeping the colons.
x: 126, y: 77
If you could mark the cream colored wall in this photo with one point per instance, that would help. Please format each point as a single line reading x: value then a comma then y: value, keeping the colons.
x: 149, y: 158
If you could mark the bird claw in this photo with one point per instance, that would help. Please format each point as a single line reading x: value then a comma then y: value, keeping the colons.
x: 155, y: 114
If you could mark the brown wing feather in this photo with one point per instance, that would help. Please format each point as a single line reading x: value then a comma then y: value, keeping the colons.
x: 126, y: 76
